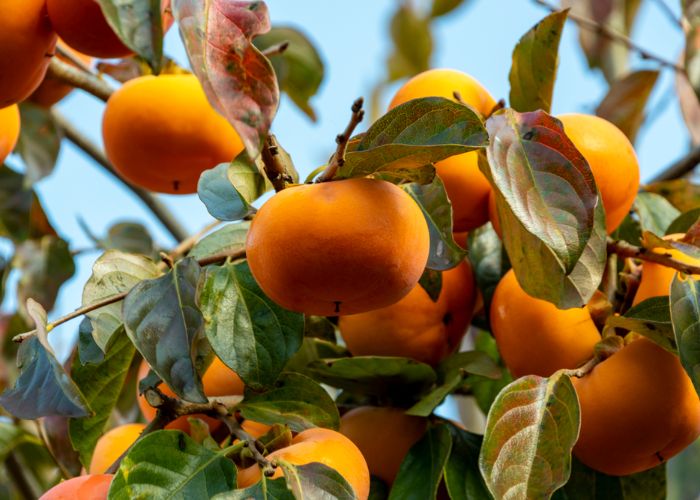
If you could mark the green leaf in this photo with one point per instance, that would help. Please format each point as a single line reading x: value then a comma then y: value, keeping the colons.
x: 626, y: 99
x: 88, y: 350
x: 685, y: 316
x: 39, y: 142
x: 241, y: 83
x: 295, y: 400
x: 488, y: 259
x: 442, y: 7
x: 314, y: 349
x: 319, y: 327
x: 413, y: 135
x: 651, y: 318
x: 431, y: 282
x: 43, y: 387
x: 299, y: 68
x: 114, y: 272
x: 530, y: 431
x: 101, y: 384
x: 139, y: 25
x: 21, y: 215
x: 445, y: 253
x: 378, y: 489
x: 534, y: 67
x: 655, y: 213
x: 129, y: 237
x: 169, y: 464
x: 486, y: 389
x: 413, y: 43
x: 374, y: 375
x: 552, y: 217
x: 11, y: 436
x: 265, y: 489
x: 683, y: 222
x: 422, y: 469
x: 162, y: 320
x: 462, y: 476
x: 691, y: 17
x: 229, y: 238
x: 249, y: 332
x: 316, y: 480
x: 682, y: 194
x: 228, y: 190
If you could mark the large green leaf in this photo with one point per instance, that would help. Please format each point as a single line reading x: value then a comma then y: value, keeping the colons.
x: 462, y: 476
x: 129, y: 237
x: 530, y: 432
x: 169, y: 464
x: 229, y: 238
x: 548, y: 205
x: 113, y: 272
x: 422, y: 469
x: 11, y: 436
x: 685, y: 316
x: 249, y: 332
x: 413, y: 135
x: 445, y: 253
x: 316, y: 480
x: 684, y: 221
x: 295, y: 400
x: 101, y: 384
x: 164, y: 323
x: 651, y: 318
x: 655, y: 213
x: 486, y: 389
x: 534, y: 67
x: 39, y: 142
x: 265, y: 489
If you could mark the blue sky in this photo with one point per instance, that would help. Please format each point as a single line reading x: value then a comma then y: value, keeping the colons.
x: 354, y: 42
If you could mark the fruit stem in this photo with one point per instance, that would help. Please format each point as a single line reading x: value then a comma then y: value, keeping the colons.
x: 587, y: 367
x: 338, y: 158
x: 274, y: 166
x: 276, y: 50
x: 80, y: 79
x: 629, y: 251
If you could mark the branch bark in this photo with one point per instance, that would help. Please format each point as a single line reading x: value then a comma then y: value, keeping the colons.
x: 80, y: 79
x: 274, y: 167
x: 338, y: 159
x: 629, y: 251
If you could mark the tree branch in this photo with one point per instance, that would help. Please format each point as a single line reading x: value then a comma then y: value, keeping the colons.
x: 276, y: 50
x: 591, y: 25
x: 250, y: 442
x: 274, y: 167
x: 680, y: 168
x: 79, y: 78
x: 159, y: 210
x: 338, y: 159
x: 587, y: 367
x: 629, y: 251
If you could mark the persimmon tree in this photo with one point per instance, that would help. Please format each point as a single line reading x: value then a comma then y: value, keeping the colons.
x: 300, y: 349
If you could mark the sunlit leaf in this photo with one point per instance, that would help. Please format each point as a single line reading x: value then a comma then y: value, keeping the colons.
x: 683, y: 194
x: 129, y: 237
x: 488, y: 259
x: 685, y: 316
x: 11, y: 436
x: 265, y: 489
x: 651, y: 318
x: 462, y: 476
x: 229, y: 238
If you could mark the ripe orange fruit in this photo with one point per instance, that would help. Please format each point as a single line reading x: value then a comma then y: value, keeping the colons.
x: 415, y: 326
x: 51, y: 89
x: 219, y: 380
x: 536, y: 338
x: 638, y: 409
x: 27, y: 42
x: 656, y: 279
x: 111, y: 446
x: 161, y: 133
x: 326, y: 446
x: 90, y: 487
x: 384, y: 436
x: 612, y: 160
x: 340, y: 247
x: 466, y: 186
x: 9, y: 130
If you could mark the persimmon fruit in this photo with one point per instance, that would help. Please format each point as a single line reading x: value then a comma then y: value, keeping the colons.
x: 9, y: 130
x: 89, y: 487
x: 339, y: 247
x: 160, y: 133
x: 112, y: 444
x: 415, y: 326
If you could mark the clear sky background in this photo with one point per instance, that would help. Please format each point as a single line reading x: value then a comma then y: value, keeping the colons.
x: 353, y: 39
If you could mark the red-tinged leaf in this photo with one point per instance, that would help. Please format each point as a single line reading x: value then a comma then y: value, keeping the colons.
x: 690, y: 107
x: 691, y: 16
x: 238, y: 79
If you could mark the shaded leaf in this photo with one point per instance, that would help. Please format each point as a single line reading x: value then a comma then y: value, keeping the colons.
x: 413, y: 43
x: 682, y: 194
x: 651, y: 318
x: 21, y: 214
x: 488, y: 259
x: 462, y: 476
x: 530, y: 431
x: 129, y: 237
x: 432, y: 198
x: 316, y: 480
x: 229, y: 238
x: 690, y: 107
x: 169, y: 464
x: 655, y: 212
x: 626, y: 99
x: 240, y: 82
x: 164, y: 323
x: 314, y: 349
x: 534, y: 67
x: 442, y: 7
x: 431, y: 282
x: 684, y: 221
x: 39, y: 142
x: 685, y: 316
x: 249, y: 332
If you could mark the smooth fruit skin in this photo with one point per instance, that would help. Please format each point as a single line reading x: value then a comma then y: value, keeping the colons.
x: 612, y: 159
x: 91, y: 487
x: 536, y: 338
x: 656, y: 279
x: 161, y: 133
x: 9, y: 130
x: 111, y: 446
x: 638, y: 409
x: 51, y: 89
x: 384, y: 435
x: 27, y: 41
x: 415, y: 326
x: 219, y: 380
x: 466, y: 186
x: 339, y: 247
x: 326, y: 446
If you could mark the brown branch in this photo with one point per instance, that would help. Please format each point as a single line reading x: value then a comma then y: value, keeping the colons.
x: 276, y: 50
x: 591, y: 25
x: 187, y: 244
x: 629, y: 251
x: 274, y: 166
x: 159, y: 210
x: 679, y: 168
x: 79, y: 78
x: 74, y: 60
x: 338, y: 159
x: 587, y: 367
x: 250, y: 442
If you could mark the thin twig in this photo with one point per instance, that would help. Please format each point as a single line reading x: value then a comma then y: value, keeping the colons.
x: 628, y: 251
x: 74, y: 60
x: 187, y: 244
x: 159, y: 210
x: 614, y: 36
x: 236, y: 430
x: 274, y: 166
x: 338, y: 159
x: 583, y: 369
x: 79, y: 79
x: 679, y: 168
x: 276, y: 50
